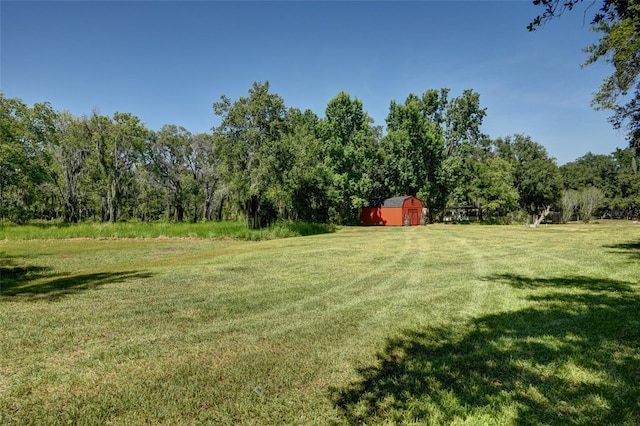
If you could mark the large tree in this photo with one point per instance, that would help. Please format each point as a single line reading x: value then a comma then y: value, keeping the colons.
x: 25, y: 134
x: 626, y: 202
x: 491, y: 188
x: 412, y: 150
x: 618, y: 21
x: 616, y: 175
x: 428, y: 146
x: 350, y: 153
x: 460, y: 119
x: 536, y: 175
x: 590, y: 199
x: 250, y: 132
x: 168, y: 155
x: 118, y: 144
x: 13, y: 152
x: 591, y: 170
x: 306, y: 192
x: 569, y: 202
x: 202, y: 164
x: 183, y: 166
x: 70, y: 150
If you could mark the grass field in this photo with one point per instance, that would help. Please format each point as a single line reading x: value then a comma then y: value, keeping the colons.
x: 443, y: 324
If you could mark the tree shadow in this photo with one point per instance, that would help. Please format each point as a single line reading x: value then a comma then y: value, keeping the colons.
x: 632, y: 249
x: 63, y: 286
x: 572, y: 282
x: 38, y: 282
x: 13, y: 275
x: 573, y: 357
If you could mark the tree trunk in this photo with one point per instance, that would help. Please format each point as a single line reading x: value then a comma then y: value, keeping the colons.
x: 542, y: 216
x: 104, y: 215
x: 220, y: 207
x: 111, y: 203
x: 252, y: 212
x: 1, y: 203
x: 206, y: 210
x: 179, y: 213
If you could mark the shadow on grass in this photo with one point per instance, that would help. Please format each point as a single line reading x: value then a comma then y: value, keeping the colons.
x: 574, y: 282
x: 632, y: 249
x: 12, y: 275
x: 306, y: 229
x: 302, y: 229
x: 39, y: 282
x: 573, y: 357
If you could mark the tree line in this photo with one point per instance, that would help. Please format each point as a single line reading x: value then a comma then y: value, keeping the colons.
x: 266, y: 162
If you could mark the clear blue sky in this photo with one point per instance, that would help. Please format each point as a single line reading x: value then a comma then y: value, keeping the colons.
x: 167, y: 62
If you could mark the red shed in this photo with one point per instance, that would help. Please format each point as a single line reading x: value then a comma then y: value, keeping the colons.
x: 396, y: 211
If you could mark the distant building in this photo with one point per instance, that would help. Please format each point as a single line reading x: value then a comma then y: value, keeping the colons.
x: 393, y: 211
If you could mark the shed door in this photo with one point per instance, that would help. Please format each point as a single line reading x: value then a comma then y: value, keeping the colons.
x: 414, y: 217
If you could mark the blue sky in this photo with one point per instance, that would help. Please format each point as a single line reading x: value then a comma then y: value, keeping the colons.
x: 167, y: 62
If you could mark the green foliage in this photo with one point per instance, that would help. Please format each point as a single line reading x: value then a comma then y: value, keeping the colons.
x: 426, y: 149
x: 24, y: 134
x: 618, y: 21
x: 247, y: 141
x: 118, y: 144
x: 413, y: 150
x: 492, y: 186
x: 349, y: 147
x: 463, y: 119
x: 307, y: 184
x: 619, y: 45
x: 267, y: 164
x: 536, y: 175
x: 627, y: 198
x: 591, y: 170
x: 590, y: 200
x: 570, y: 201
x: 615, y: 175
x: 167, y: 160
x: 70, y: 151
x: 182, y: 167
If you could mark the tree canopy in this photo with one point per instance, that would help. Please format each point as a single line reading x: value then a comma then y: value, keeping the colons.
x: 618, y: 22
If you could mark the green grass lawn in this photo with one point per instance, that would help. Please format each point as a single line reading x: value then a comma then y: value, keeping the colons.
x: 443, y: 324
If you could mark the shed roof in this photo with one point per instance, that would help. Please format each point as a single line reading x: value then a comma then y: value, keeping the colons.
x: 389, y: 202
